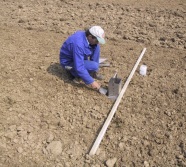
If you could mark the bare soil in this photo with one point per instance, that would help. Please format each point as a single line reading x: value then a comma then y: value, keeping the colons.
x: 46, y: 120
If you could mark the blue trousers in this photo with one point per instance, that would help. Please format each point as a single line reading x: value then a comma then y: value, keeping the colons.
x: 91, y: 66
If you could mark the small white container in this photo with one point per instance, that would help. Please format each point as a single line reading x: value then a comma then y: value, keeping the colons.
x: 143, y: 70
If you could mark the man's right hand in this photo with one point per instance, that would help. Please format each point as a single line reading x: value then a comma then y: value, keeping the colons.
x: 95, y: 85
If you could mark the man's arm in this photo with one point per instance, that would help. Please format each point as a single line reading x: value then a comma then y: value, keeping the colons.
x: 79, y: 67
x: 95, y: 56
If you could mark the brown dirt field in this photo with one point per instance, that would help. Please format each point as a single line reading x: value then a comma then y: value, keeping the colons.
x: 48, y: 121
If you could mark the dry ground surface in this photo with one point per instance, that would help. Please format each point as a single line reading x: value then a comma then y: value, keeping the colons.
x: 48, y: 121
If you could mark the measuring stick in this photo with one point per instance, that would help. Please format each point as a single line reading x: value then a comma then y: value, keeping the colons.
x: 114, y: 108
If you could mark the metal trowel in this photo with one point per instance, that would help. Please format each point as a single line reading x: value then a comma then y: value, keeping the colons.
x: 102, y: 90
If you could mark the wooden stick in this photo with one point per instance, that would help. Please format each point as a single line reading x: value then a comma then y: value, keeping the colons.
x: 115, y: 75
x: 114, y: 108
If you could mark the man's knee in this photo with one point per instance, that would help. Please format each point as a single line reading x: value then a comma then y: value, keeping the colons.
x: 91, y: 65
x: 96, y: 66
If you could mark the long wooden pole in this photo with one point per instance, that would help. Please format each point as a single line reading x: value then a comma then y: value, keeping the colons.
x: 114, y: 108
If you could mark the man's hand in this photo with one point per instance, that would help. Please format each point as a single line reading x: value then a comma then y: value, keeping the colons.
x: 95, y: 85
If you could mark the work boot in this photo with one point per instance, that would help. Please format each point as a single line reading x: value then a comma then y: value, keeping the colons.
x: 73, y: 78
x: 77, y: 80
x: 97, y: 76
x: 70, y: 76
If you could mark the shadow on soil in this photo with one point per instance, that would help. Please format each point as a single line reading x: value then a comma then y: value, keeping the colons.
x: 57, y: 70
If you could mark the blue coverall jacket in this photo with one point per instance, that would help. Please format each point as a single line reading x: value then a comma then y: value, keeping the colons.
x: 75, y: 52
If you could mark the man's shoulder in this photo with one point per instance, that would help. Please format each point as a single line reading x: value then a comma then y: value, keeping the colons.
x: 79, y: 34
x: 79, y: 38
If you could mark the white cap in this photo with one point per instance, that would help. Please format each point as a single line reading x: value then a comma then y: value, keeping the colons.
x: 99, y: 33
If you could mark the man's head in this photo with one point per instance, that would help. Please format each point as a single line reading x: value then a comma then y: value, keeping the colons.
x: 95, y: 35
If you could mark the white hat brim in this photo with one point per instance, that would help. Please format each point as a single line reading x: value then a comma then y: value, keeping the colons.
x: 101, y: 40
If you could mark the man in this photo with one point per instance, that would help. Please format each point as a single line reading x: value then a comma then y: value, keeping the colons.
x: 81, y: 52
